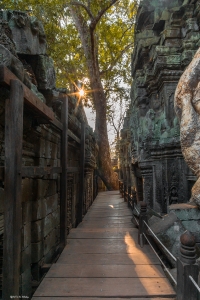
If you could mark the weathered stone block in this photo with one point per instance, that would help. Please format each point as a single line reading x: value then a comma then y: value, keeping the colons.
x: 56, y: 217
x: 44, y: 72
x: 28, y: 33
x: 52, y: 188
x: 49, y: 241
x: 37, y: 231
x: 26, y: 212
x: 37, y: 251
x: 43, y: 162
x: 43, y: 207
x: 185, y: 211
x: 26, y: 259
x: 59, y: 163
x: 40, y: 148
x: 58, y: 153
x: 189, y: 214
x: 26, y: 235
x: 27, y: 189
x: 50, y: 255
x: 26, y: 288
x: 51, y: 204
x: 54, y: 150
x: 38, y: 210
x: 48, y: 146
x: 40, y: 187
x: 48, y: 224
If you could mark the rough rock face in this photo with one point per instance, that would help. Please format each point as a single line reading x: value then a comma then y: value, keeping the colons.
x: 187, y: 106
x: 151, y: 163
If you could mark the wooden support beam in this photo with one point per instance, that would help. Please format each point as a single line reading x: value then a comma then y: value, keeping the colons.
x: 30, y: 99
x: 82, y: 168
x: 12, y: 205
x: 73, y: 136
x: 2, y: 173
x: 63, y: 179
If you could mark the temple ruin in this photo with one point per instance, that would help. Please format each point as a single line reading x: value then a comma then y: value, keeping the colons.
x: 48, y: 157
x: 151, y: 162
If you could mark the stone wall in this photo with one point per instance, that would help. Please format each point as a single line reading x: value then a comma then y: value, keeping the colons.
x: 166, y: 39
x: 23, y: 51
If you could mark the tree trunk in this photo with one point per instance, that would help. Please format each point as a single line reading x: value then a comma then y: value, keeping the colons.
x: 90, y: 47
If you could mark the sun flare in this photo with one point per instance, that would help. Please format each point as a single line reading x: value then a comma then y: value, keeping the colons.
x: 81, y: 92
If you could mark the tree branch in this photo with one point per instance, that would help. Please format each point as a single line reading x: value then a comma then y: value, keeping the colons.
x: 100, y: 14
x: 76, y: 3
x: 116, y: 60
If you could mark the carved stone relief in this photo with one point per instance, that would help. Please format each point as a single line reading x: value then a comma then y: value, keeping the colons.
x: 167, y: 34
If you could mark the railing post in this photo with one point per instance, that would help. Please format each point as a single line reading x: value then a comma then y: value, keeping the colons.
x: 186, y: 266
x: 142, y: 226
x: 129, y: 197
x: 122, y: 189
x: 125, y: 193
x: 82, y: 176
x: 134, y: 199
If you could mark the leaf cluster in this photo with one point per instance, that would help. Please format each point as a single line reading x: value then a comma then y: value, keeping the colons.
x: 114, y: 32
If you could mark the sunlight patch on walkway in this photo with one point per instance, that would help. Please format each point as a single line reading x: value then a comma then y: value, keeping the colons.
x: 111, y: 206
x: 133, y: 250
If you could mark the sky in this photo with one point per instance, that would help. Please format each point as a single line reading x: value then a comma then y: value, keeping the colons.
x: 91, y: 121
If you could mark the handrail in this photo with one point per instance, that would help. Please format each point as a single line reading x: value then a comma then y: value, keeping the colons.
x: 136, y: 221
x: 172, y: 256
x: 137, y: 211
x: 165, y: 268
x: 184, y: 291
x: 194, y: 282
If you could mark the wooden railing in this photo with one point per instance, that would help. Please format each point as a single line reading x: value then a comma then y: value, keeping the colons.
x: 186, y: 281
x: 13, y: 171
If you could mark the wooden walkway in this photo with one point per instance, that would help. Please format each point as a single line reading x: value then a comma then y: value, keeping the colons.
x: 102, y: 260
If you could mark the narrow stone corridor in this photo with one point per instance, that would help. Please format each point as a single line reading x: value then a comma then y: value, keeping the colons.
x: 103, y: 260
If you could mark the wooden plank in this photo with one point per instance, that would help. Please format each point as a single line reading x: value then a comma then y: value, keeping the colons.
x: 105, y: 271
x: 104, y: 263
x: 63, y: 179
x: 12, y: 205
x: 33, y: 171
x: 107, y: 287
x: 107, y: 259
x: 73, y: 136
x: 82, y: 180
x: 30, y: 98
x: 101, y: 234
x: 56, y: 123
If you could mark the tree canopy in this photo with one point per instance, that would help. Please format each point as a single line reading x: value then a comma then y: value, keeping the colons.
x: 115, y: 38
x: 90, y: 42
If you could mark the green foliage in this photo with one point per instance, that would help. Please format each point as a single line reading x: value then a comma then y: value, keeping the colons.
x: 114, y: 33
